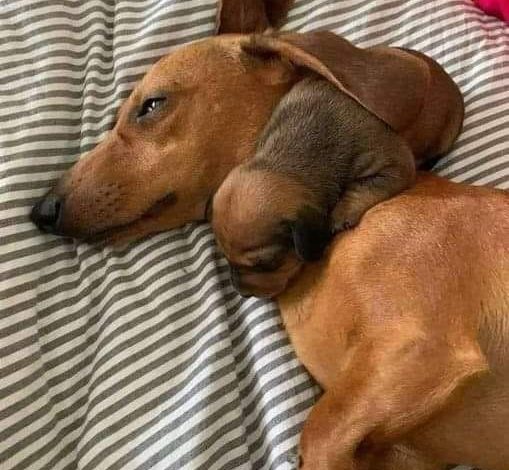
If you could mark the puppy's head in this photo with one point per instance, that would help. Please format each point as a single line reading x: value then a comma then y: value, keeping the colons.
x: 267, y: 225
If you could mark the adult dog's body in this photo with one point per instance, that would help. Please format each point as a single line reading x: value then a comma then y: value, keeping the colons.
x: 406, y: 326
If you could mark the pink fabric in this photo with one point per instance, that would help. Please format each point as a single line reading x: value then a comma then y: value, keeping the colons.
x: 499, y: 8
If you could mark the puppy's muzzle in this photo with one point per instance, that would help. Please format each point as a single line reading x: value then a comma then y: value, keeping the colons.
x: 47, y: 213
x: 237, y: 283
x: 249, y: 289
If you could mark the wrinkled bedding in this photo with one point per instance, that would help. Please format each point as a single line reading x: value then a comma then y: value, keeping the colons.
x: 146, y: 358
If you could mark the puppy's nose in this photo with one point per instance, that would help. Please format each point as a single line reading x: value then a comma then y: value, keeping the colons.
x: 46, y: 214
x: 235, y: 277
x: 237, y: 282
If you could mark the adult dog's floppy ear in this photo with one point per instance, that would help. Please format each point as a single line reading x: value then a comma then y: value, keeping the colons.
x: 250, y: 16
x: 311, y: 233
x: 407, y: 90
x: 267, y: 62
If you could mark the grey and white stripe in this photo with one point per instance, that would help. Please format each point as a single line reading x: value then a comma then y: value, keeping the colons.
x: 146, y: 358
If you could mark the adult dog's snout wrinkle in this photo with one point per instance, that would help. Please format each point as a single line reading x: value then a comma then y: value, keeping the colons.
x: 47, y: 213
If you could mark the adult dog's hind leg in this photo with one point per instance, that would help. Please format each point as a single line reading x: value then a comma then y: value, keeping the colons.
x: 382, y: 394
x: 401, y: 458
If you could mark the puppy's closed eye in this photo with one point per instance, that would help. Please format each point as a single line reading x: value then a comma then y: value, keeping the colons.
x: 268, y: 258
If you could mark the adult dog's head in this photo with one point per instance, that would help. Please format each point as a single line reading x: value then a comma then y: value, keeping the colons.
x: 198, y: 112
x: 192, y: 118
x: 267, y: 225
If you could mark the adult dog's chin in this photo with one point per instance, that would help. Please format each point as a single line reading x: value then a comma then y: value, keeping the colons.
x: 121, y: 236
x: 148, y: 223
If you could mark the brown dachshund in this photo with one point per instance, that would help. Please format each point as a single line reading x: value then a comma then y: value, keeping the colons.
x: 405, y: 324
x: 198, y: 112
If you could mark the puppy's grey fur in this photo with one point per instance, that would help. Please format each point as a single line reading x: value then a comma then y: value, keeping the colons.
x: 348, y: 158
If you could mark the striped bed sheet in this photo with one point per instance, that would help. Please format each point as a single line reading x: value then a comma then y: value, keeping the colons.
x: 146, y: 358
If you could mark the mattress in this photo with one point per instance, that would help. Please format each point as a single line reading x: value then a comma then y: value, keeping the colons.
x: 146, y: 358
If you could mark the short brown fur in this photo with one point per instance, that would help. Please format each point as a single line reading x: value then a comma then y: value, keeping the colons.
x: 249, y: 16
x: 406, y: 326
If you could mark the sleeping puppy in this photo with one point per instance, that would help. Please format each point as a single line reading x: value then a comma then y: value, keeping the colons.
x: 321, y: 162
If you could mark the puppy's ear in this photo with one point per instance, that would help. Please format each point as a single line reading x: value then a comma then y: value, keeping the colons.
x: 251, y: 16
x: 311, y: 233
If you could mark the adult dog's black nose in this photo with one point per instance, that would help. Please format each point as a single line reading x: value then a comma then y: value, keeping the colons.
x: 46, y: 214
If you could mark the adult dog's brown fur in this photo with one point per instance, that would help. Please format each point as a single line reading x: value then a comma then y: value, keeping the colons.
x: 321, y: 162
x: 210, y: 101
x: 406, y: 326
x: 249, y: 16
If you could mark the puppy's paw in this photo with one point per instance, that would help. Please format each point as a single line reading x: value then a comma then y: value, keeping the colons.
x: 342, y: 225
x: 342, y: 222
x: 344, y: 218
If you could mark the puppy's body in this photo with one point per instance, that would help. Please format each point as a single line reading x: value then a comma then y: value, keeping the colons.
x: 321, y: 162
x: 405, y: 324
